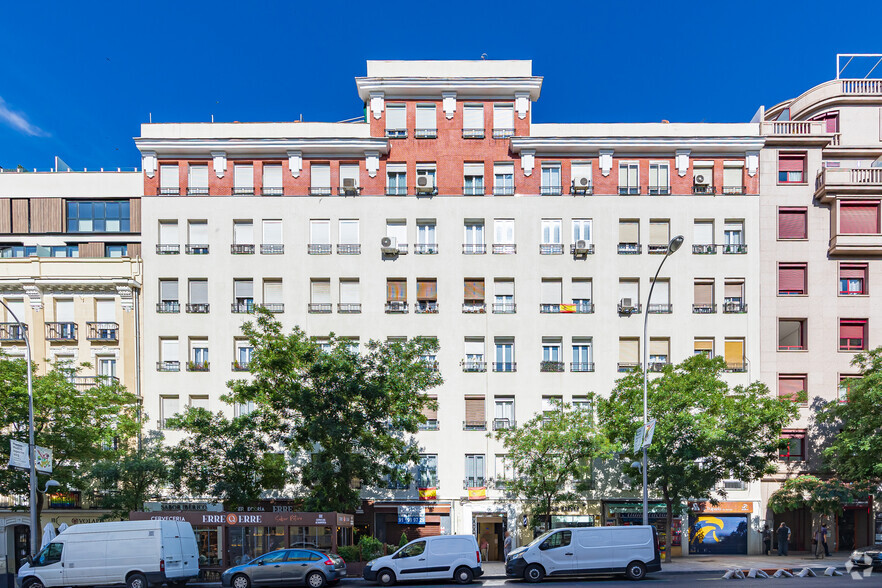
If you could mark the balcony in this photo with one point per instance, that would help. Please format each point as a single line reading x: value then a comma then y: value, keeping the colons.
x: 658, y: 366
x: 734, y: 190
x: 396, y: 307
x: 319, y: 248
x: 168, y: 307
x: 13, y: 332
x: 797, y: 347
x: 198, y: 308
x: 196, y: 249
x: 734, y: 307
x: 504, y: 308
x: 273, y: 307
x: 239, y: 249
x: 198, y: 366
x: 659, y: 308
x: 736, y: 366
x: 349, y: 191
x: 585, y: 307
x: 319, y: 308
x: 348, y: 249
x: 657, y: 249
x: 396, y: 190
x: 832, y: 182
x: 242, y: 307
x: 659, y: 191
x: 503, y: 424
x: 503, y: 190
x: 472, y: 133
x: 856, y: 244
x: 320, y: 191
x: 86, y: 382
x: 399, y: 249
x: 425, y: 249
x: 703, y: 190
x: 474, y: 249
x: 630, y: 248
x: 474, y: 366
x: 168, y: 366
x: 550, y: 191
x: 61, y: 331
x: 505, y: 248
x: 704, y: 249
x: 474, y: 483
x: 474, y: 307
x: 96, y: 331
x: 629, y: 190
x: 551, y: 366
x: 349, y: 308
x: 793, y: 127
x: 169, y: 191
x: 396, y: 133
x: 238, y: 366
x: 243, y: 191
x: 505, y: 366
x: 551, y: 249
x: 474, y: 425
x: 627, y: 366
x: 503, y: 133
x: 429, y: 425
x: 272, y: 249
x: 473, y: 190
x: 166, y: 249
x: 704, y: 309
x: 734, y: 248
x: 587, y: 250
x: 582, y: 367
x: 200, y: 191
x: 425, y: 133
x: 426, y: 307
x: 274, y: 191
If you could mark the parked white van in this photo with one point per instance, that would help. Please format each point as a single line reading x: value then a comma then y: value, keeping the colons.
x: 135, y: 553
x: 581, y: 551
x: 444, y: 557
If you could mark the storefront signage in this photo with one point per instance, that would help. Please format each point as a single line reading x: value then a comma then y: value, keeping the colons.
x: 307, y: 519
x: 733, y: 507
x: 411, y: 515
x: 183, y: 506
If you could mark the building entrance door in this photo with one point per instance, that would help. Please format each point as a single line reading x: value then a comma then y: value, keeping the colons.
x: 490, y: 533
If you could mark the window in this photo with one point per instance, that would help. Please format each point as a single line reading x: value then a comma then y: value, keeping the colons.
x: 426, y: 122
x: 243, y: 353
x: 830, y: 119
x: 659, y: 178
x: 272, y: 237
x: 582, y: 179
x: 583, y: 357
x: 503, y: 179
x: 733, y: 177
x: 197, y: 237
x: 792, y: 223
x: 473, y: 179
x: 792, y: 279
x: 427, y: 242
x: 106, y: 366
x: 791, y: 167
x: 660, y: 299
x: 397, y: 231
x: 349, y: 179
x: 550, y: 295
x: 396, y: 179
x: 793, y: 387
x: 629, y: 353
x: 473, y: 295
x: 552, y: 238
x: 852, y: 334
x: 243, y: 234
x: 503, y: 469
x: 504, y: 238
x: 703, y: 346
x: 503, y: 415
x: 114, y: 250
x: 169, y: 180
x: 845, y: 384
x: 733, y: 296
x: 582, y: 230
x: 550, y: 181
x: 396, y: 295
x: 559, y: 539
x: 659, y: 236
x: 198, y: 355
x: 703, y: 237
x: 350, y: 297
x: 582, y: 288
x: 703, y: 177
x: 659, y: 353
x: 427, y: 295
x: 168, y: 354
x: 550, y: 404
x: 243, y: 295
x: 474, y: 355
x: 243, y: 179
x: 319, y: 295
x: 504, y: 355
x: 396, y: 121
x: 629, y: 295
x: 791, y: 335
x: 272, y: 179
x: 551, y: 355
x: 475, y: 417
x: 733, y: 353
x: 168, y: 407
x: 273, y: 299
x: 426, y: 182
x: 197, y: 179
x: 503, y: 121
x: 858, y: 217
x: 629, y: 237
x: 629, y: 178
x: 503, y: 301
x: 198, y: 295
x: 473, y: 238
x: 320, y: 179
x: 427, y: 471
x: 98, y: 216
x: 474, y: 468
x: 852, y: 279
x: 473, y: 121
x: 795, y: 445
x: 168, y: 296
x: 733, y: 237
x: 319, y: 237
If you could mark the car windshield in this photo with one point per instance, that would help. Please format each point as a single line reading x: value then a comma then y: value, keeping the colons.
x: 540, y: 538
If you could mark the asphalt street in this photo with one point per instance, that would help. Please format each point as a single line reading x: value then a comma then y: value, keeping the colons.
x: 702, y: 579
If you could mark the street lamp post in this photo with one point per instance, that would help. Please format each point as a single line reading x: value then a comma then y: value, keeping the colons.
x: 31, y: 444
x: 672, y: 247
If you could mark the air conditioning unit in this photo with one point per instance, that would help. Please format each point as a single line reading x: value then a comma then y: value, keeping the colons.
x: 425, y: 184
x: 581, y: 246
x: 734, y: 485
x: 626, y: 304
x: 389, y: 245
x: 349, y: 183
x: 581, y: 182
x: 701, y: 180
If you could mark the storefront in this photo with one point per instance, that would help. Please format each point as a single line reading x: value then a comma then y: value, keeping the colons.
x: 628, y: 512
x: 723, y: 528
x: 386, y: 521
x: 229, y: 538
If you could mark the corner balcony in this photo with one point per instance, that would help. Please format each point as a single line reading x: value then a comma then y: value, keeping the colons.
x: 832, y: 182
x: 793, y: 128
x: 848, y: 244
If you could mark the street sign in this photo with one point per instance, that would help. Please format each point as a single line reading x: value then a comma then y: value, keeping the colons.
x: 643, y: 435
x: 18, y: 455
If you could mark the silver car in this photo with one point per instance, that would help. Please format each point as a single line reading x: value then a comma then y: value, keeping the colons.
x: 287, y: 567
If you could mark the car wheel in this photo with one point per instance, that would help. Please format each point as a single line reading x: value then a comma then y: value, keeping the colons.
x: 534, y: 573
x: 636, y: 570
x: 136, y: 581
x: 241, y: 581
x: 315, y: 580
x: 33, y: 583
x: 463, y: 575
x: 386, y: 577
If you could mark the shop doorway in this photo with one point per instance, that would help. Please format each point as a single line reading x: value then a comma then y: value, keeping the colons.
x: 853, y: 525
x: 21, y: 539
x: 489, y: 530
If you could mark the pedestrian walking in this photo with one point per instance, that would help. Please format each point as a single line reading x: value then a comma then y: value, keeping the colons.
x: 818, y: 543
x: 783, y: 538
x: 824, y: 539
x: 506, y: 545
x: 767, y: 539
x: 485, y: 548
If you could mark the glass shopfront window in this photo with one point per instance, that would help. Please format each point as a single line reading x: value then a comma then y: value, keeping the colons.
x: 246, y: 543
x: 207, y: 542
x: 311, y: 537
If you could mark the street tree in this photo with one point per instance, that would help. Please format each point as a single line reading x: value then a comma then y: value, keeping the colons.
x: 550, y: 459
x: 134, y: 476
x: 705, y: 432
x: 342, y: 415
x: 820, y: 496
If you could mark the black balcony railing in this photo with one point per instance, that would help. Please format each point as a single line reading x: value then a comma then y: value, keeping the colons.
x: 425, y: 249
x: 550, y: 190
x: 168, y: 306
x: 734, y: 190
x: 657, y: 249
x: 276, y: 191
x: 474, y: 307
x: 243, y: 191
x: 505, y: 366
x: 503, y: 133
x: 166, y: 249
x: 659, y: 308
x: 348, y: 248
x: 96, y: 331
x: 426, y: 307
x: 396, y: 133
x: 505, y: 248
x: 273, y: 307
x: 629, y: 248
x: 582, y: 367
x: 319, y: 307
x: 473, y: 190
x: 198, y: 366
x: 474, y: 248
x: 320, y: 191
x: 659, y: 191
x: 425, y: 133
x: 503, y: 424
x: 657, y: 366
x: 239, y: 366
x: 169, y: 191
x: 503, y: 190
x: 628, y: 190
x: 429, y: 425
x: 704, y: 309
x: 627, y: 366
x: 396, y: 307
x: 319, y: 248
x: 168, y: 366
x: 504, y: 308
x: 703, y: 190
x: 349, y: 190
x: 349, y: 307
x: 473, y: 133
x: 551, y: 366
x: 629, y: 309
x: 272, y: 249
x: 241, y: 249
x: 587, y: 250
x: 734, y: 307
x: 196, y: 249
x: 474, y: 366
x: 198, y: 308
x: 704, y: 249
x: 474, y: 425
x: 242, y: 307
x: 734, y: 248
x: 61, y: 331
x: 551, y: 249
x: 396, y: 190
x: 13, y: 331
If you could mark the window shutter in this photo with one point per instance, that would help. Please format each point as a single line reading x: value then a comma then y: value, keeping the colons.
x: 396, y: 290
x: 704, y: 293
x: 243, y: 233
x: 169, y: 176
x: 629, y: 289
x: 551, y: 292
x: 320, y: 175
x: 169, y: 403
x: 198, y: 176
x: 168, y: 290
x: 581, y: 169
x: 198, y: 291
x: 431, y: 414
x: 473, y: 116
x: 851, y: 330
x: 791, y: 278
x: 474, y: 409
x: 168, y: 233
x: 397, y: 230
x: 473, y: 169
x: 629, y: 232
x: 349, y: 292
x: 790, y: 386
x: 427, y: 290
x: 581, y: 289
x: 349, y: 171
x: 503, y: 116
x: 473, y: 290
x: 791, y: 162
x: 661, y: 293
x: 272, y: 232
x: 321, y: 292
x: 198, y: 233
x: 704, y: 345
x: 705, y: 170
x: 349, y: 231
x: 272, y: 176
x: 857, y: 217
x: 704, y: 233
x: 243, y: 288
x: 243, y: 176
x: 659, y: 347
x: 474, y: 347
x: 659, y: 233
x: 732, y: 176
x: 791, y: 223
x: 168, y: 350
x: 425, y: 116
x: 396, y: 116
x: 853, y: 271
x: 105, y: 311
x: 734, y: 290
x: 320, y: 232
x: 272, y: 292
x: 504, y: 287
x: 629, y: 350
x: 734, y: 351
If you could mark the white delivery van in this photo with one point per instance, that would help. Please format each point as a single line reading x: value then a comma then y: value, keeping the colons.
x: 582, y: 551
x: 444, y: 557
x: 135, y: 553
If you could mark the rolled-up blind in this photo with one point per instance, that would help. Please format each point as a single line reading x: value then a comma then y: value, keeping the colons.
x: 551, y: 292
x: 473, y: 116
x: 791, y: 162
x: 64, y: 311
x: 320, y: 232
x: 857, y: 217
x: 473, y: 289
x: 474, y: 409
x: 629, y: 232
x: 734, y: 290
x: 243, y: 289
x: 272, y: 291
x: 704, y: 345
x: 349, y: 231
x: 425, y: 116
x: 791, y: 278
x: 851, y: 330
x: 105, y: 310
x: 198, y: 176
x: 629, y: 289
x: 503, y: 116
x: 732, y: 176
x: 321, y: 291
x: 659, y: 346
x: 243, y: 233
x: 853, y: 271
x: 581, y: 289
x: 659, y: 232
x: 168, y: 176
x: 349, y: 292
x: 734, y: 351
x: 243, y: 176
x: 704, y: 293
x: 661, y: 293
x: 168, y: 233
x: 791, y: 223
x: 474, y: 347
x: 272, y: 232
x: 473, y: 169
x: 427, y: 290
x: 198, y: 233
x: 320, y: 175
x: 431, y: 414
x: 396, y: 290
x: 198, y: 291
x: 504, y: 287
x: 168, y: 350
x: 706, y: 171
x: 396, y: 116
x: 349, y: 171
x: 168, y: 290
x: 272, y: 175
x: 704, y: 233
x: 629, y: 350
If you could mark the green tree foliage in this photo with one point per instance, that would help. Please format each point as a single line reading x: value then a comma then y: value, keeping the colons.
x: 705, y: 432
x: 228, y: 459
x: 403, y: 541
x: 81, y: 424
x: 824, y: 497
x: 134, y: 476
x: 342, y: 416
x: 855, y: 453
x: 551, y: 456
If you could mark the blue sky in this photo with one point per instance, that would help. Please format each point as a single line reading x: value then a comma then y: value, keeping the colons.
x: 79, y: 77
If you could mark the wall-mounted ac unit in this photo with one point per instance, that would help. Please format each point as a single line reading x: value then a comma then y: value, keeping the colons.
x: 581, y: 246
x: 626, y: 304
x: 349, y: 183
x: 702, y: 180
x: 425, y: 184
x: 581, y: 182
x: 389, y: 245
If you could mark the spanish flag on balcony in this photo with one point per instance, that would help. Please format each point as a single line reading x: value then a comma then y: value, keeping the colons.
x: 428, y: 493
x: 568, y: 308
x: 479, y: 493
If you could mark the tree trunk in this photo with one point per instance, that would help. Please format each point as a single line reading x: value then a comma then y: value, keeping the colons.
x: 669, y: 522
x: 548, y: 513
